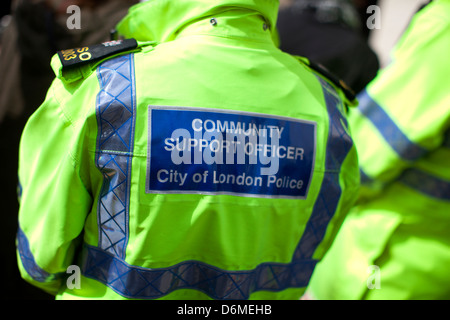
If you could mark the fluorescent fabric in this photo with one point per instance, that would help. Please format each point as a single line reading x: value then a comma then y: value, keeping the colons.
x: 400, y: 224
x: 131, y: 241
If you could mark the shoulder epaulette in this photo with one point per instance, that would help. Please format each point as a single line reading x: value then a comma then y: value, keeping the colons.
x: 81, y: 56
x: 349, y: 93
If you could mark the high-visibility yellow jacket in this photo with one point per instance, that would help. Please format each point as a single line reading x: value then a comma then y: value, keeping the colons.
x: 198, y: 162
x: 395, y: 244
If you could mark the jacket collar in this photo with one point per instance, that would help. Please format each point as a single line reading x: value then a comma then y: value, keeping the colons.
x: 162, y: 20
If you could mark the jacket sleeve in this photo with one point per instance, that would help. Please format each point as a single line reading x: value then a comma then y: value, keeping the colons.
x: 402, y: 115
x: 53, y: 193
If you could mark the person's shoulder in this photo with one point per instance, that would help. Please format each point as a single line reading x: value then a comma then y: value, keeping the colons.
x: 72, y: 65
x: 76, y: 71
x: 329, y: 77
x: 84, y: 55
x: 339, y: 83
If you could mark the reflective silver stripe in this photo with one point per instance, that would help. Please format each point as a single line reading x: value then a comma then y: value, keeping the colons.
x: 147, y: 283
x: 426, y: 183
x: 393, y: 135
x: 339, y: 145
x: 420, y: 181
x: 29, y: 263
x: 116, y: 120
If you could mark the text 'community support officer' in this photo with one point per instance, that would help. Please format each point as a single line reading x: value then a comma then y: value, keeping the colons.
x: 191, y: 159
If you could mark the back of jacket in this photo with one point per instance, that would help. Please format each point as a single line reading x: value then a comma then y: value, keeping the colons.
x: 207, y: 160
x: 402, y: 133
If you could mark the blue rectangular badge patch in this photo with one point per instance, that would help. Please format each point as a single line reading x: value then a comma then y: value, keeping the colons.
x: 210, y: 151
